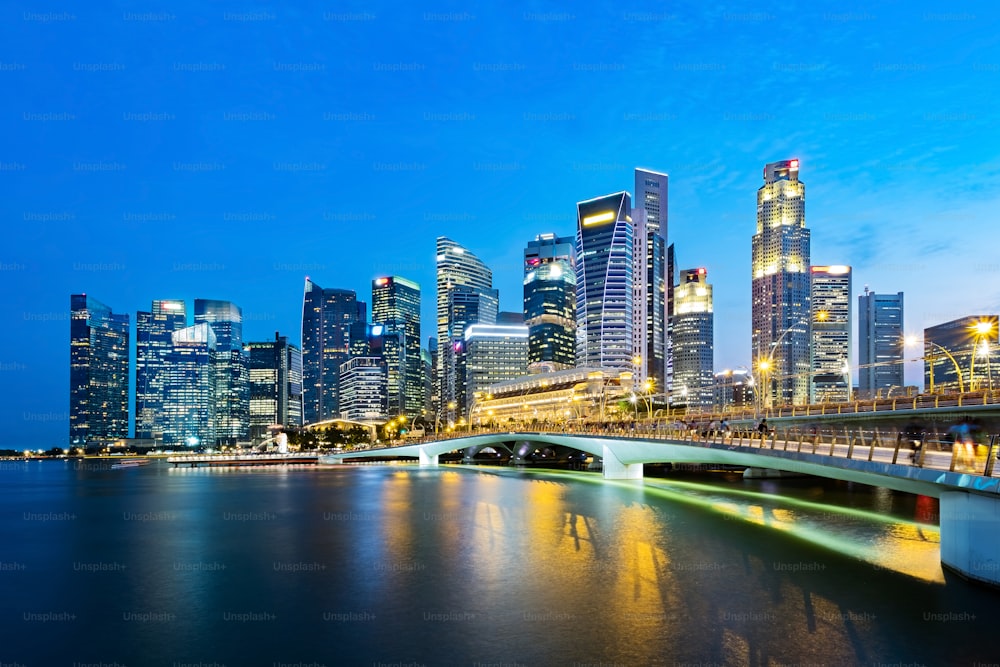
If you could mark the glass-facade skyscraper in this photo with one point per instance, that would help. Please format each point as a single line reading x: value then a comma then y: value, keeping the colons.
x: 189, y: 387
x: 961, y: 355
x: 363, y: 389
x: 694, y: 340
x: 880, y: 343
x: 327, y: 316
x: 275, y: 385
x: 232, y: 391
x: 650, y: 276
x: 493, y: 353
x: 98, y: 372
x: 550, y: 302
x: 396, y: 308
x: 830, y: 301
x: 604, y: 289
x: 781, y: 331
x: 153, y: 340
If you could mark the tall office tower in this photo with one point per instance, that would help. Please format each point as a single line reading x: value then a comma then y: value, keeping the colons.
x: 550, y: 302
x: 781, y: 330
x: 232, y: 373
x: 880, y: 343
x: 466, y: 306
x: 830, y: 301
x: 668, y: 352
x: 98, y: 372
x: 275, y: 385
x: 363, y: 389
x: 396, y: 306
x: 604, y: 245
x: 427, y: 375
x: 189, y: 387
x: 327, y: 316
x: 733, y: 390
x: 960, y: 355
x: 153, y: 334
x: 493, y: 353
x: 456, y: 268
x: 694, y: 340
x: 435, y: 391
x: 650, y: 276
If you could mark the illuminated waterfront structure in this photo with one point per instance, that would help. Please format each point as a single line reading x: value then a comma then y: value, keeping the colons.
x: 363, y: 389
x: 650, y: 274
x: 830, y: 302
x: 396, y: 308
x: 960, y: 355
x: 327, y: 316
x: 550, y: 302
x: 780, y: 316
x: 232, y: 390
x: 604, y: 283
x: 153, y: 335
x: 189, y: 387
x: 694, y: 340
x: 98, y: 372
x: 275, y: 385
x: 880, y: 343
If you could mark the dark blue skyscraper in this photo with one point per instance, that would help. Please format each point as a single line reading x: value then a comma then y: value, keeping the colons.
x: 880, y: 343
x: 99, y: 372
x: 396, y: 308
x: 550, y: 302
x: 232, y: 391
x: 153, y: 335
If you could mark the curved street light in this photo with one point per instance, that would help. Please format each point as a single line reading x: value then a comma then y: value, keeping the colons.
x: 930, y: 365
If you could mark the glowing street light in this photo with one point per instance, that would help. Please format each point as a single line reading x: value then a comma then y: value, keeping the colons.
x: 912, y: 340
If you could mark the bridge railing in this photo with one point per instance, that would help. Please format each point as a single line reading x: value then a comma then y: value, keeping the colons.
x: 933, y: 450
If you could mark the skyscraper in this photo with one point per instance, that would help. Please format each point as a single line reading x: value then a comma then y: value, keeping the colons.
x: 98, y: 372
x: 830, y: 301
x: 650, y: 276
x: 396, y: 307
x: 694, y: 340
x: 457, y: 269
x: 466, y: 306
x: 232, y: 391
x: 363, y: 387
x: 550, y: 302
x: 604, y: 271
x: 493, y: 353
x: 880, y: 343
x: 781, y: 330
x: 275, y: 385
x: 189, y: 387
x: 153, y: 335
x: 327, y: 316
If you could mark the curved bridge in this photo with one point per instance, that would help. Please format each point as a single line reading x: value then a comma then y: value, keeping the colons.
x: 970, y: 500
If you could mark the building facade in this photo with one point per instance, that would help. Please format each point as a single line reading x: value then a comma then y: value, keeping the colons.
x: 363, y: 387
x: 734, y: 391
x: 232, y: 391
x: 832, y: 324
x: 327, y: 317
x: 780, y: 317
x: 960, y: 355
x: 98, y: 372
x: 604, y: 279
x: 650, y: 277
x: 396, y: 307
x: 275, y: 375
x: 694, y: 341
x: 493, y: 353
x: 880, y: 343
x: 189, y: 388
x: 153, y: 341
x: 550, y: 302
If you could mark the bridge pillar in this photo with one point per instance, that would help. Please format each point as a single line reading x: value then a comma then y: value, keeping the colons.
x: 427, y: 459
x: 970, y: 541
x: 615, y: 469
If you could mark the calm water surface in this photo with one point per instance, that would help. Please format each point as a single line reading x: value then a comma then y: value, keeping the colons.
x: 398, y: 565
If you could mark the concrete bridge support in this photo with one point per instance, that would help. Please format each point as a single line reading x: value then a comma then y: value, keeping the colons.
x: 615, y: 469
x: 970, y: 539
x: 427, y: 459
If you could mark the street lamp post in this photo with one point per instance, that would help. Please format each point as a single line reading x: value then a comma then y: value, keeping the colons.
x: 930, y: 359
x: 766, y: 364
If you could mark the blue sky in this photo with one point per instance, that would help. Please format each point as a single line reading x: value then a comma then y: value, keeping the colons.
x: 226, y: 151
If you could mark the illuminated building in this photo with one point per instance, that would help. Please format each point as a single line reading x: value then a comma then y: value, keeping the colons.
x: 275, y: 385
x: 780, y: 316
x: 604, y: 283
x: 966, y: 348
x: 733, y: 390
x: 189, y: 387
x: 327, y: 317
x: 880, y: 343
x: 396, y: 307
x: 457, y: 270
x: 363, y: 389
x: 153, y: 334
x: 573, y: 394
x: 830, y: 301
x: 466, y: 306
x: 694, y: 336
x: 650, y: 276
x: 493, y: 353
x: 550, y: 302
x: 232, y: 391
x: 98, y: 372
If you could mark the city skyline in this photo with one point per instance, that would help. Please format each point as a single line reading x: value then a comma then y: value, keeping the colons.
x: 151, y: 172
